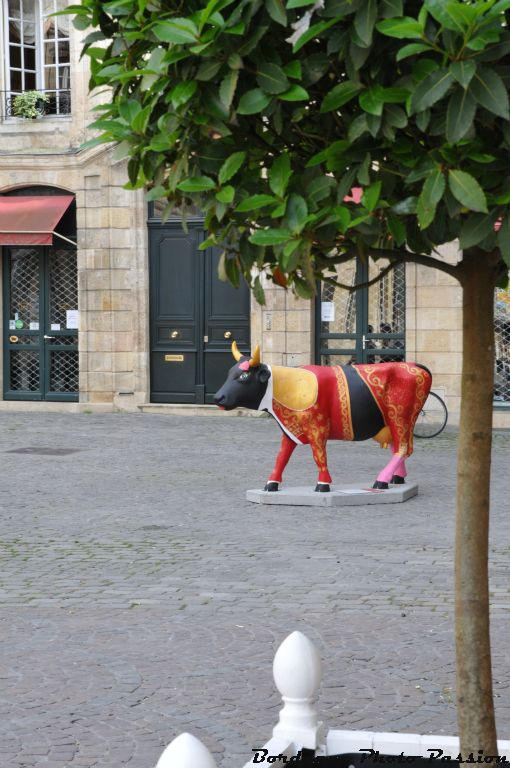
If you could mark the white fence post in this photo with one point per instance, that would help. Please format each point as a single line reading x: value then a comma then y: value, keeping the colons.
x: 297, y: 671
x: 186, y: 751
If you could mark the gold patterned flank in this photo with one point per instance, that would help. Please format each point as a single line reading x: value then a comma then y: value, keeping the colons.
x: 394, y: 412
x: 344, y: 402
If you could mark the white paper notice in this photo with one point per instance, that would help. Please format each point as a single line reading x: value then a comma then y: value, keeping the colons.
x: 72, y: 318
x: 12, y: 325
x: 55, y: 326
x: 34, y: 326
x: 327, y: 311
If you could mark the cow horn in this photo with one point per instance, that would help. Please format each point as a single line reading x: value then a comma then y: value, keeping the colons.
x: 255, y: 360
x: 235, y: 352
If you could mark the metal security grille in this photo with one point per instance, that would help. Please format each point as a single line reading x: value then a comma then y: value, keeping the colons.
x: 366, y: 325
x: 64, y: 371
x: 24, y: 293
x: 25, y: 371
x: 40, y: 324
x: 502, y: 345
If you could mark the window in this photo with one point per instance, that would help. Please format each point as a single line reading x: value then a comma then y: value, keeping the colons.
x: 37, y: 53
x: 502, y: 345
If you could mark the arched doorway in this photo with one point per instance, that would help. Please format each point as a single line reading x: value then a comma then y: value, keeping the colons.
x: 40, y: 301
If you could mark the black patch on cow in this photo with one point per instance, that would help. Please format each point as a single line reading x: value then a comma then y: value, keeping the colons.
x: 367, y: 419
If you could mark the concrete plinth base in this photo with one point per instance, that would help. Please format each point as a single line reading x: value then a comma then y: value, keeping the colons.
x: 339, y: 496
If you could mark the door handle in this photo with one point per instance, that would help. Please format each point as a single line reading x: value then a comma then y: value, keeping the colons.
x: 49, y: 337
x: 175, y: 335
x: 227, y: 334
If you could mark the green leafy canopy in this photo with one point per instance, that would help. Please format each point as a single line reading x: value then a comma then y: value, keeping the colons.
x: 267, y: 113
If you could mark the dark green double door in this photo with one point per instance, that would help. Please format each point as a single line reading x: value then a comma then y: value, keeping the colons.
x: 195, y: 317
x: 40, y: 323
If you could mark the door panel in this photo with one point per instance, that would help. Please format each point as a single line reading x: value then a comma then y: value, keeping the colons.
x: 40, y: 351
x: 194, y: 317
x: 366, y: 325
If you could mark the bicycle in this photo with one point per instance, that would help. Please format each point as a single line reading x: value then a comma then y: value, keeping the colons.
x: 432, y: 418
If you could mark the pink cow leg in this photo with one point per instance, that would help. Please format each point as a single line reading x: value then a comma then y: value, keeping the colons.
x: 395, y: 466
x: 400, y: 473
x: 286, y: 449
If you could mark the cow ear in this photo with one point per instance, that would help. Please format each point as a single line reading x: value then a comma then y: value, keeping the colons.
x: 264, y: 375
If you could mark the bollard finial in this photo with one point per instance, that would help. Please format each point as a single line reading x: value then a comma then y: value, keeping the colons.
x: 186, y: 751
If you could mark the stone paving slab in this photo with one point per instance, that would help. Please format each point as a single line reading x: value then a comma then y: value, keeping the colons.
x: 141, y: 595
x: 344, y: 496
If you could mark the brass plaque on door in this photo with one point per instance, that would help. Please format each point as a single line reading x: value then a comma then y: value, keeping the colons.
x: 174, y: 358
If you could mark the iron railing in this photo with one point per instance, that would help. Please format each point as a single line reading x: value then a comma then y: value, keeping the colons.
x: 58, y: 104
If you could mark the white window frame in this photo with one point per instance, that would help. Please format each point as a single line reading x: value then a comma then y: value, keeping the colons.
x: 40, y: 66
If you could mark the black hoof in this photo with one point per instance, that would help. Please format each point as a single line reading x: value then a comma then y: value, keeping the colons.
x: 380, y: 485
x: 272, y: 485
x: 323, y: 488
x: 398, y: 480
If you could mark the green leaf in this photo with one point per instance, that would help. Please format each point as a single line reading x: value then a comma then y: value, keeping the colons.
x: 299, y: 3
x: 340, y: 95
x: 196, y: 184
x: 460, y: 115
x: 183, y: 92
x: 176, y: 31
x: 231, y: 166
x: 253, y: 101
x: 476, y: 228
x: 315, y: 31
x: 440, y: 11
x: 297, y: 211
x: 254, y: 202
x: 403, y: 28
x: 503, y: 239
x: 129, y: 109
x: 272, y: 79
x: 270, y: 237
x: 276, y: 10
x: 467, y: 191
x: 463, y: 71
x: 411, y: 50
x: 431, y: 89
x: 226, y: 194
x: 228, y: 87
x: 489, y: 90
x: 364, y: 21
x: 295, y: 93
x: 358, y: 127
x: 279, y: 175
x: 431, y: 194
x: 391, y: 8
x: 397, y: 229
x: 370, y: 196
x: 371, y: 100
x: 140, y: 122
x: 258, y: 291
x: 235, y: 61
x: 293, y: 69
x: 208, y: 69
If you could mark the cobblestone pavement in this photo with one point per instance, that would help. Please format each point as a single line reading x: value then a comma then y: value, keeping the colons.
x: 141, y: 595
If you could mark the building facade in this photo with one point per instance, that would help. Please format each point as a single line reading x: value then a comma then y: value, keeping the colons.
x: 105, y: 307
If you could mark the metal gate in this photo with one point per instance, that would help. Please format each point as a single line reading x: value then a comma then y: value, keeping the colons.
x: 40, y: 323
x: 502, y: 345
x: 194, y: 316
x: 362, y: 326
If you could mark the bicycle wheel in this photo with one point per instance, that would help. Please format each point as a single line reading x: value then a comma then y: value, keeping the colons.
x: 432, y: 417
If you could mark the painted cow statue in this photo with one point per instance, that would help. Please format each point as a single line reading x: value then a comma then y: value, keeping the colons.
x: 314, y: 404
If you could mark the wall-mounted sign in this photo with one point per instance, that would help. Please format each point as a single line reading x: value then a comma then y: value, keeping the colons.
x: 72, y: 318
x: 327, y: 311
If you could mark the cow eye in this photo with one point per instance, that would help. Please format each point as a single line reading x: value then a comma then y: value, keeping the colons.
x: 244, y: 376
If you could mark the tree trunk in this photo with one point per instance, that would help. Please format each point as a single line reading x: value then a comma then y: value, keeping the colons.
x: 475, y: 710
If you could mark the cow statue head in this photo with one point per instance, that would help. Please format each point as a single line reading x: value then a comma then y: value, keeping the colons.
x: 246, y: 382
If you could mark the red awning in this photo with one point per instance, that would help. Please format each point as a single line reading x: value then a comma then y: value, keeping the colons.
x: 31, y: 220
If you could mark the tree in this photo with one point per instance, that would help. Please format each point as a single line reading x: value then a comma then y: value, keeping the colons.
x: 268, y: 114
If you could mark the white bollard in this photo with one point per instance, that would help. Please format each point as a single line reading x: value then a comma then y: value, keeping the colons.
x: 186, y: 751
x: 297, y: 671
